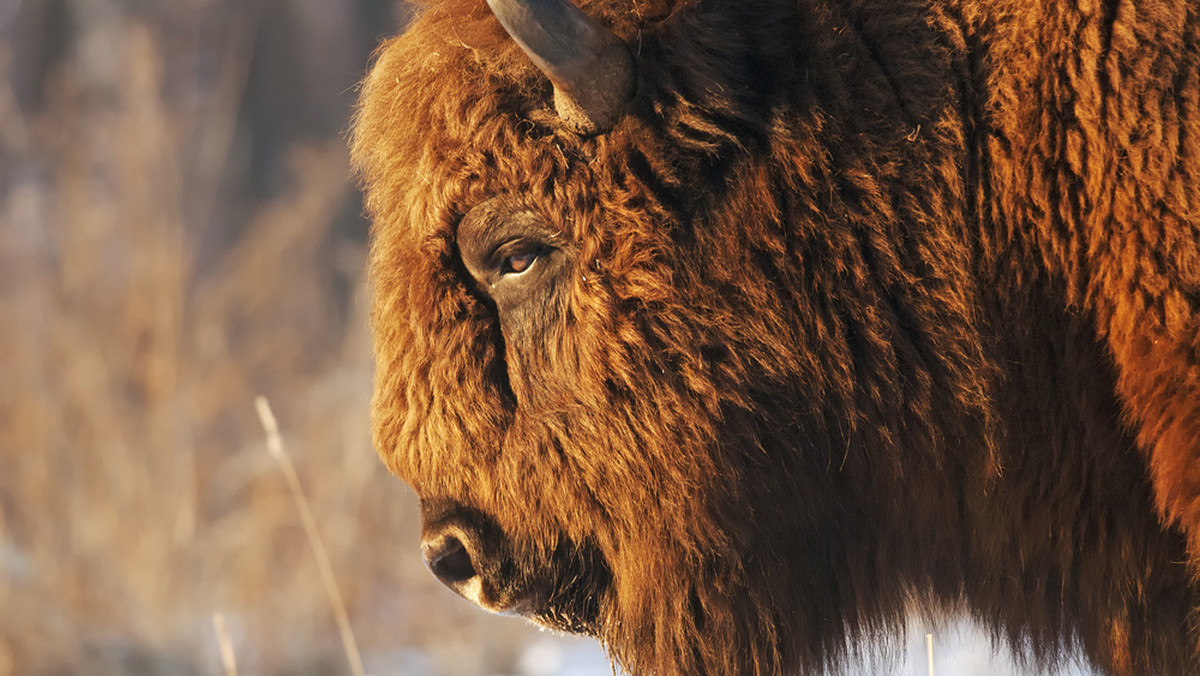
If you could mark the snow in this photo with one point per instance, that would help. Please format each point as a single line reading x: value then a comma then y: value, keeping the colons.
x: 962, y: 649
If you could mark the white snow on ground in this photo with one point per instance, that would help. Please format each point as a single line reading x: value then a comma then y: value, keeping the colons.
x: 958, y: 650
x: 562, y: 656
x: 962, y: 649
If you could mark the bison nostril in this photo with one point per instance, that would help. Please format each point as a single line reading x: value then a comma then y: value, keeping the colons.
x: 450, y: 561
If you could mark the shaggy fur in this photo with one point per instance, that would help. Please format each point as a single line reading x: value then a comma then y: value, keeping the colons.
x: 869, y: 305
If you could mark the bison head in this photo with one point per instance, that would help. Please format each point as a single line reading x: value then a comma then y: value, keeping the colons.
x: 632, y: 364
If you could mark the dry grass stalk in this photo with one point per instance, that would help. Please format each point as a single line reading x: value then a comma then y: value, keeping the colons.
x: 227, y: 656
x: 275, y: 447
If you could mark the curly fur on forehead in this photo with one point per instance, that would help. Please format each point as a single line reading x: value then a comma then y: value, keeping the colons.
x: 866, y: 307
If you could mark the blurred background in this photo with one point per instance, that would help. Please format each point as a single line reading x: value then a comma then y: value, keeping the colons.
x: 179, y: 232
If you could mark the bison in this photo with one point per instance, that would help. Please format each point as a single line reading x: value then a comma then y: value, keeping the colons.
x: 732, y: 332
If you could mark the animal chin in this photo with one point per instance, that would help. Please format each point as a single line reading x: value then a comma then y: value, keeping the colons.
x: 582, y: 583
x: 565, y: 597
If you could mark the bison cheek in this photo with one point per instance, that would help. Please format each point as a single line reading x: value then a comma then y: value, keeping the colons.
x: 534, y: 335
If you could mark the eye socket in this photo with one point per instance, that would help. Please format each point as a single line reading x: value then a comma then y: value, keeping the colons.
x: 509, y: 249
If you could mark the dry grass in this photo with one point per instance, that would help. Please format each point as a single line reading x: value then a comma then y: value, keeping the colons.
x: 136, y: 494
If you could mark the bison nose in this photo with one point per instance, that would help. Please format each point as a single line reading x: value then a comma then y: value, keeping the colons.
x: 469, y: 553
x: 455, y: 557
x: 449, y: 560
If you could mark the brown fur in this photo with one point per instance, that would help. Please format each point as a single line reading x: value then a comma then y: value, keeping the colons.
x: 871, y: 304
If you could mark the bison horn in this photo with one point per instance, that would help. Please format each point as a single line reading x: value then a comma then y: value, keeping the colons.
x: 591, y: 69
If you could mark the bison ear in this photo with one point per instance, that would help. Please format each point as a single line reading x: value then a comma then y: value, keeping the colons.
x: 591, y: 69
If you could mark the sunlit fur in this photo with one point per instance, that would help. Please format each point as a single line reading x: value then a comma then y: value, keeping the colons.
x: 878, y: 305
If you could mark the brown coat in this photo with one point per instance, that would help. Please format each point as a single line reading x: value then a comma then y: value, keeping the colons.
x: 864, y: 305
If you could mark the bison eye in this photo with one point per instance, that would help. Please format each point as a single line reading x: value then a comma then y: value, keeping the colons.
x: 516, y: 263
x: 512, y: 253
